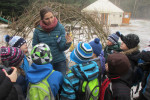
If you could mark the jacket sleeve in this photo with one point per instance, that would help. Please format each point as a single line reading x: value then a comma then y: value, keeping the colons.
x: 8, y: 91
x: 19, y: 91
x: 68, y: 92
x: 35, y: 39
x: 55, y: 80
x: 62, y: 44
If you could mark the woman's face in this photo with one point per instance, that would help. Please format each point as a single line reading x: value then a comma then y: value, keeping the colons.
x: 123, y: 46
x: 24, y: 48
x: 48, y: 18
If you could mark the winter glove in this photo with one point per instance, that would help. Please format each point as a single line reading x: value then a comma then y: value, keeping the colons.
x: 118, y: 33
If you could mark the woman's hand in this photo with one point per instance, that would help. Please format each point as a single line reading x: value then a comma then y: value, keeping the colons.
x: 13, y: 75
x: 68, y: 39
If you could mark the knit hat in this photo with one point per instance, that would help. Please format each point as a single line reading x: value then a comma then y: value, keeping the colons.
x: 82, y: 53
x: 118, y: 64
x: 96, y: 46
x: 41, y: 54
x: 11, y: 56
x: 113, y: 38
x: 15, y: 41
x: 131, y: 40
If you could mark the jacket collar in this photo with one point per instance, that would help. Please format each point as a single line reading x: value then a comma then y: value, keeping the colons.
x: 131, y: 51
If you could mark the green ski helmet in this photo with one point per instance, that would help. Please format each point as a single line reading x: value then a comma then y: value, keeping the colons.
x: 41, y: 54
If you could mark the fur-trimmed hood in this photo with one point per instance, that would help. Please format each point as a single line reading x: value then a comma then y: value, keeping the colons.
x: 131, y: 51
x: 132, y: 54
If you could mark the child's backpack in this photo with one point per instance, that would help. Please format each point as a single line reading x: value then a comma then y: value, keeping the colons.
x: 106, y: 92
x: 88, y: 90
x: 104, y: 86
x: 40, y: 91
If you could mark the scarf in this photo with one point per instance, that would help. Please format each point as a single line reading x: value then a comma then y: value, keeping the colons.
x: 48, y: 28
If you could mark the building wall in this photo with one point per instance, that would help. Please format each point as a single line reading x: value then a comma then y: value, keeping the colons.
x: 115, y: 18
x: 107, y: 18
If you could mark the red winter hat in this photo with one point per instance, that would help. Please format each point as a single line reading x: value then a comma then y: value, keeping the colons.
x: 118, y: 64
x: 11, y: 56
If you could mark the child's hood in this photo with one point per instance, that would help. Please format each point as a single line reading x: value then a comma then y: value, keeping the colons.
x: 86, y: 71
x: 36, y: 73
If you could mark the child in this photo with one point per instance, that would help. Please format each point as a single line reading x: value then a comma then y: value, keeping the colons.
x: 83, y: 71
x: 97, y: 49
x: 144, y: 92
x: 130, y: 48
x: 41, y: 68
x: 11, y: 56
x: 112, y: 45
x: 8, y: 89
x: 115, y: 87
x: 17, y: 41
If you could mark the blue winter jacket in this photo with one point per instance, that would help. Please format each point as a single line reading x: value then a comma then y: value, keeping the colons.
x: 37, y: 73
x: 85, y: 72
x: 25, y: 65
x: 55, y: 40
